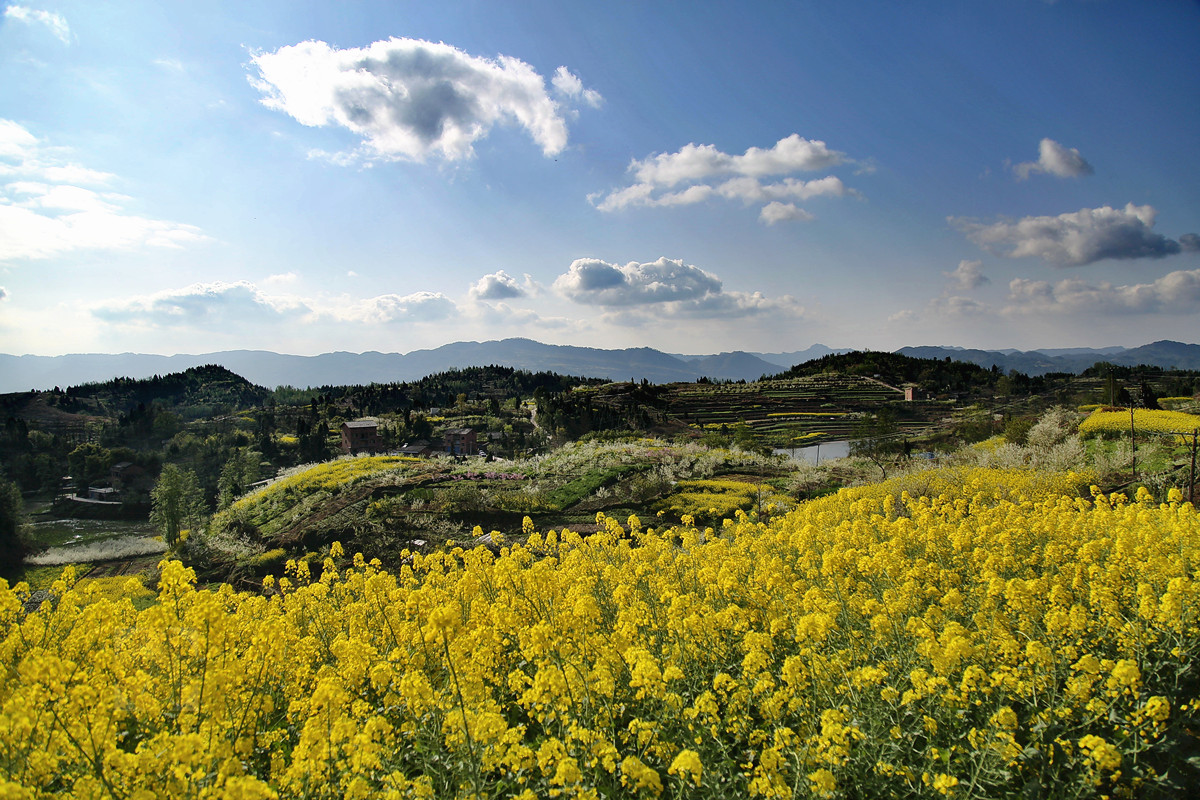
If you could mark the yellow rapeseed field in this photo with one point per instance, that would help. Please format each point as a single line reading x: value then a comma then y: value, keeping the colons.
x: 981, y: 634
x: 1144, y: 419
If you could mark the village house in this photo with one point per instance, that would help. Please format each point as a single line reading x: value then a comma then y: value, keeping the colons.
x: 460, y: 442
x: 123, y: 473
x: 361, y: 436
x: 104, y: 494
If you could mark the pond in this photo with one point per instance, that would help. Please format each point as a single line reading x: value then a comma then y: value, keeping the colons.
x: 67, y: 532
x: 74, y: 541
x: 817, y: 453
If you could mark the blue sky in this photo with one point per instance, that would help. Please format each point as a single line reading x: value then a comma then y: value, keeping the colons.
x: 695, y: 177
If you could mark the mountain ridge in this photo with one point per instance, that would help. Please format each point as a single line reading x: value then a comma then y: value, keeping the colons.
x: 270, y: 369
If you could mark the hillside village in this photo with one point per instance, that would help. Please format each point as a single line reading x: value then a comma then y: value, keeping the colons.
x: 97, y: 452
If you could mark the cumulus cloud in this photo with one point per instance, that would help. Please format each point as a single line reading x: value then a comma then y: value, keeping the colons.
x: 708, y: 173
x: 56, y: 23
x: 1175, y: 293
x: 966, y: 276
x: 595, y: 282
x: 412, y: 99
x: 203, y: 304
x: 50, y: 206
x: 667, y: 286
x: 1075, y: 239
x: 3, y: 293
x: 1054, y: 159
x: 500, y: 286
x: 776, y: 211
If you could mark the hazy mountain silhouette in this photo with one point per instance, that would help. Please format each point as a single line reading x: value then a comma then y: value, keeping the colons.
x: 22, y: 373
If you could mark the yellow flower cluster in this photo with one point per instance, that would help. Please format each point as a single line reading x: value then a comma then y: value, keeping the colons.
x: 1144, y: 419
x: 968, y: 642
x: 709, y: 499
x: 329, y: 476
x: 981, y: 484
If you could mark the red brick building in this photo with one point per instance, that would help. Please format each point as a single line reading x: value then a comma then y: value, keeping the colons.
x: 361, y: 436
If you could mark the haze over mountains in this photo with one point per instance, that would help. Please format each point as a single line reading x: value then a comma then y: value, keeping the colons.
x: 24, y: 373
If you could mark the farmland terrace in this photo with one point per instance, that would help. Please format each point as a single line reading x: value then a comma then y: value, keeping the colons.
x: 785, y: 410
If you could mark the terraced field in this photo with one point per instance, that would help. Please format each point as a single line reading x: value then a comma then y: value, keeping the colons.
x: 807, y: 409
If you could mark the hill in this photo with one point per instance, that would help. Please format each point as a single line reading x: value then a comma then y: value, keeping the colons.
x: 202, y: 390
x: 932, y: 375
x: 208, y: 386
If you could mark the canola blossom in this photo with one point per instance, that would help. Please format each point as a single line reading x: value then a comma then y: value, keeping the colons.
x: 1144, y: 419
x: 983, y: 641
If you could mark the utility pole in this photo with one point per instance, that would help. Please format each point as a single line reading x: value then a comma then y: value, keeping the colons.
x: 1192, y: 474
x: 1132, y: 445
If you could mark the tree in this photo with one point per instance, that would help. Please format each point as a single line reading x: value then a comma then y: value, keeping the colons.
x: 239, y: 472
x: 12, y: 520
x: 877, y: 437
x: 176, y: 502
x: 89, y: 464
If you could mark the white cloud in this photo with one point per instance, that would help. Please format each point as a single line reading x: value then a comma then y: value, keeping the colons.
x: 202, y: 305
x: 667, y: 287
x: 734, y: 304
x: 750, y: 190
x: 501, y: 286
x: 1074, y: 239
x: 1054, y: 159
x: 1175, y: 293
x: 492, y: 315
x: 45, y: 213
x: 776, y: 211
x: 698, y: 162
x: 391, y: 308
x: 235, y: 305
x: 569, y: 85
x: 712, y: 173
x: 412, y: 99
x: 74, y: 173
x: 57, y: 23
x: 3, y: 293
x: 281, y: 279
x: 16, y: 141
x: 966, y: 276
x: 595, y: 282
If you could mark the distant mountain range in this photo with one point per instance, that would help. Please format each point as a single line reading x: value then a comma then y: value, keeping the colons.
x: 23, y: 373
x: 1165, y: 354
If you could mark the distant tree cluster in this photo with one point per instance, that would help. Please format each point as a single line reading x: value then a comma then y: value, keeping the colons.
x: 472, y: 384
x: 620, y: 406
